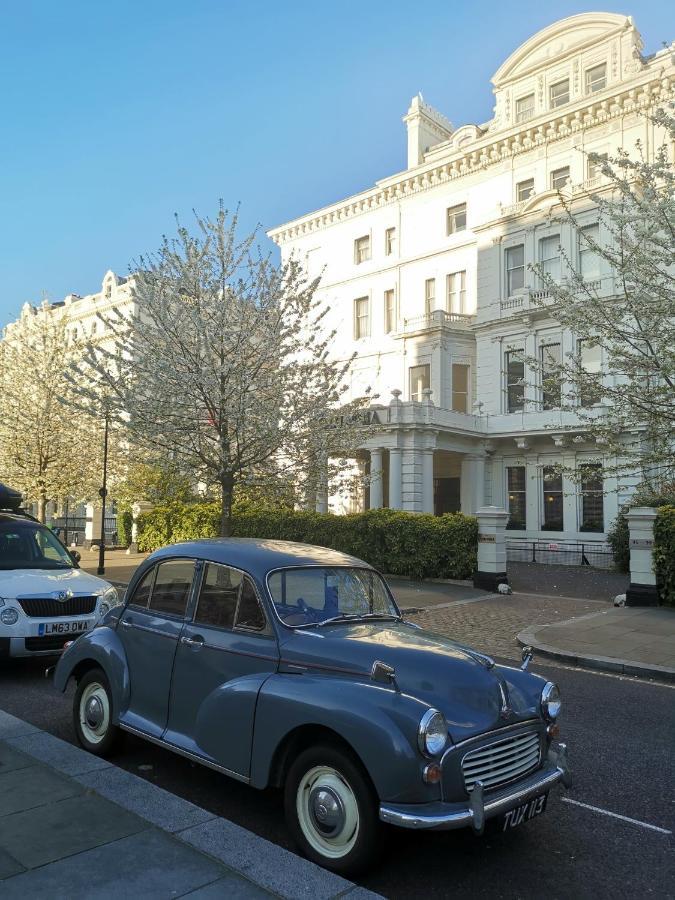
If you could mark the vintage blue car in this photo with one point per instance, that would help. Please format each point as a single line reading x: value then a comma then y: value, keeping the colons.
x: 290, y: 665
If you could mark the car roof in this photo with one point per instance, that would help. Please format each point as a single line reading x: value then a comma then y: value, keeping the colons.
x: 258, y: 555
x: 18, y: 516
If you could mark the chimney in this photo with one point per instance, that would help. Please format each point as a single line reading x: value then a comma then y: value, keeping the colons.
x: 426, y: 128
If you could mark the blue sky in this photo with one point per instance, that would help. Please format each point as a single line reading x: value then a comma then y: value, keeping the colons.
x: 116, y: 115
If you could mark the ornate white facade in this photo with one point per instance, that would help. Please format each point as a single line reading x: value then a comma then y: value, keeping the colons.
x: 426, y: 277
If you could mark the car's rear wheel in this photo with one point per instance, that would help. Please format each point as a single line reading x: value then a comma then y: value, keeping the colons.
x: 332, y: 810
x: 92, y: 714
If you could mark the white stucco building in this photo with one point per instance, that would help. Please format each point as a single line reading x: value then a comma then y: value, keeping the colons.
x: 426, y: 276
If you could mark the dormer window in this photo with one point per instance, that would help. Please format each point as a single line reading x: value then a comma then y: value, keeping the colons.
x: 525, y: 108
x: 362, y: 249
x: 596, y: 78
x: 108, y: 291
x: 559, y: 93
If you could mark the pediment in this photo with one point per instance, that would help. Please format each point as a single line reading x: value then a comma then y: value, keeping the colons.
x: 467, y: 134
x: 558, y: 40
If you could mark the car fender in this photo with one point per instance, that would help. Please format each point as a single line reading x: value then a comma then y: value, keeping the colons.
x: 102, y: 647
x: 379, y: 724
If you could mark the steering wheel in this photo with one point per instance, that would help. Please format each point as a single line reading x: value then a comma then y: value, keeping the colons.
x: 303, y: 605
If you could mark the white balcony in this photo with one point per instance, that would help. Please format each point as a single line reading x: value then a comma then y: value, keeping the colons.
x: 436, y: 320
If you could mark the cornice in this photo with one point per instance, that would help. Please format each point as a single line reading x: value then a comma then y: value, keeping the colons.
x: 492, y: 149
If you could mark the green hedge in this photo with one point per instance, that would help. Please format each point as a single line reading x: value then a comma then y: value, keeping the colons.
x: 418, y: 546
x: 617, y: 536
x: 124, y: 522
x: 664, y: 553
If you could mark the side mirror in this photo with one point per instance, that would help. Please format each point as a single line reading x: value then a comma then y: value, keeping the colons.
x: 526, y: 657
x: 383, y: 673
x: 76, y: 557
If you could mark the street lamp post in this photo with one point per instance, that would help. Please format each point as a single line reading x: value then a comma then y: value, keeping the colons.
x: 103, y: 493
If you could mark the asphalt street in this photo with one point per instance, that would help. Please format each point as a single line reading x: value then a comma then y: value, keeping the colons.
x: 620, y: 733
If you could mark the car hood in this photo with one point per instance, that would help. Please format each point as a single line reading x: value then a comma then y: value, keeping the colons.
x: 33, y: 582
x: 474, y: 695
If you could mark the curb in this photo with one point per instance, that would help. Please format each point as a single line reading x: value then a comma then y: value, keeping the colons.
x: 599, y: 663
x: 259, y: 861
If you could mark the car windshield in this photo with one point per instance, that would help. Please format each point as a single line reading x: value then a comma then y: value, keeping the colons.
x: 317, y: 595
x: 29, y: 545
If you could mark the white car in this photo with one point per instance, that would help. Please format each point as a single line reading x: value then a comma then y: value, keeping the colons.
x: 45, y: 598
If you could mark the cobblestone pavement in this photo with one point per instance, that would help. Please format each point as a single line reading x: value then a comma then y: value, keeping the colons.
x: 491, y: 624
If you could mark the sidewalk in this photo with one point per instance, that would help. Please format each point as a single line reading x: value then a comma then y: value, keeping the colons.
x: 74, y: 826
x: 630, y: 640
x: 118, y: 566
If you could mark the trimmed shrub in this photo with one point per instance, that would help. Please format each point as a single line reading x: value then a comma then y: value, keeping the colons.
x: 400, y: 543
x: 664, y: 554
x: 617, y: 536
x: 124, y: 522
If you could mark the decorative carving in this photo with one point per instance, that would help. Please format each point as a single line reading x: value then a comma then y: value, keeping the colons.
x: 522, y: 443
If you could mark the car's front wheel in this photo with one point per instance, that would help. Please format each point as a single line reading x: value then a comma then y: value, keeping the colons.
x: 332, y: 810
x: 92, y: 714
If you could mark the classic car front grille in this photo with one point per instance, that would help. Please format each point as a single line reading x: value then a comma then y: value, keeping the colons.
x: 501, y: 761
x: 47, y: 607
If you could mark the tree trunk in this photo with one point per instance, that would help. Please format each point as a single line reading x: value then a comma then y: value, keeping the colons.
x: 226, y: 485
x: 42, y: 507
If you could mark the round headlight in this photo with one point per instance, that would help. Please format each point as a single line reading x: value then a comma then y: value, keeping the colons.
x: 109, y: 598
x: 433, y: 733
x: 9, y: 616
x: 550, y: 701
x: 105, y: 607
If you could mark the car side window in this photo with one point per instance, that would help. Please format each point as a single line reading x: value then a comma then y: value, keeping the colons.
x: 218, y: 596
x: 249, y: 612
x: 143, y: 588
x: 171, y: 589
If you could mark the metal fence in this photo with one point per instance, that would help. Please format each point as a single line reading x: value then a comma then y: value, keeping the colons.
x: 596, y: 554
x: 72, y: 529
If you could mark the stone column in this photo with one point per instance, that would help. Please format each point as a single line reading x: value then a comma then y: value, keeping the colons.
x: 321, y: 499
x: 472, y: 484
x: 376, y: 498
x: 642, y: 589
x: 491, y: 568
x: 427, y: 481
x: 137, y: 508
x: 395, y: 475
x: 92, y: 527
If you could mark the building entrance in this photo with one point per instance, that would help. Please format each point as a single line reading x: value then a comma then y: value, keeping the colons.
x: 446, y: 495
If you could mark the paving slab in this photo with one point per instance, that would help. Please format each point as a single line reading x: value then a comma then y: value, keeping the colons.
x: 148, y: 865
x: 34, y: 786
x: 11, y: 727
x: 65, y: 828
x: 231, y: 887
x: 57, y: 753
x: 12, y: 759
x: 8, y: 865
x: 158, y: 806
x: 268, y: 865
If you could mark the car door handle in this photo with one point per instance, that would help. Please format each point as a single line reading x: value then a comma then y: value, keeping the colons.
x: 193, y: 642
x: 127, y: 624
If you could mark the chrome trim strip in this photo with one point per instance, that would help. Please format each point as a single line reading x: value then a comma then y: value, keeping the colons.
x: 194, y: 756
x: 443, y: 817
x: 148, y: 628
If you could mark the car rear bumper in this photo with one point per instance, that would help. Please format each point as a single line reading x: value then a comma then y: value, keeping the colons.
x: 441, y: 816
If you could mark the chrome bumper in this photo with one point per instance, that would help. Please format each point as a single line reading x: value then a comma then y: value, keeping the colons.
x: 441, y: 816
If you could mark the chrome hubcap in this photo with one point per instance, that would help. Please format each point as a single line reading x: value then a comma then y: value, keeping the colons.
x: 327, y: 810
x: 94, y: 712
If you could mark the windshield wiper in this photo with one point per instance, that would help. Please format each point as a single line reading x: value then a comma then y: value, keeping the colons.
x: 351, y: 617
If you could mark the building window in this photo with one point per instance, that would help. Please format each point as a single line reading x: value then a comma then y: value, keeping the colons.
x: 420, y: 378
x: 456, y: 218
x: 429, y: 296
x: 592, y: 507
x: 456, y: 286
x: 589, y: 260
x: 560, y: 93
x: 594, y: 164
x: 94, y: 327
x: 515, y: 380
x: 389, y: 241
x: 460, y: 388
x: 596, y: 78
x: 525, y: 108
x: 551, y: 385
x: 559, y: 178
x: 590, y: 363
x: 361, y: 318
x: 515, y: 269
x: 389, y: 311
x: 553, y: 500
x: 362, y: 249
x: 515, y: 483
x: 549, y: 258
x: 524, y: 189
